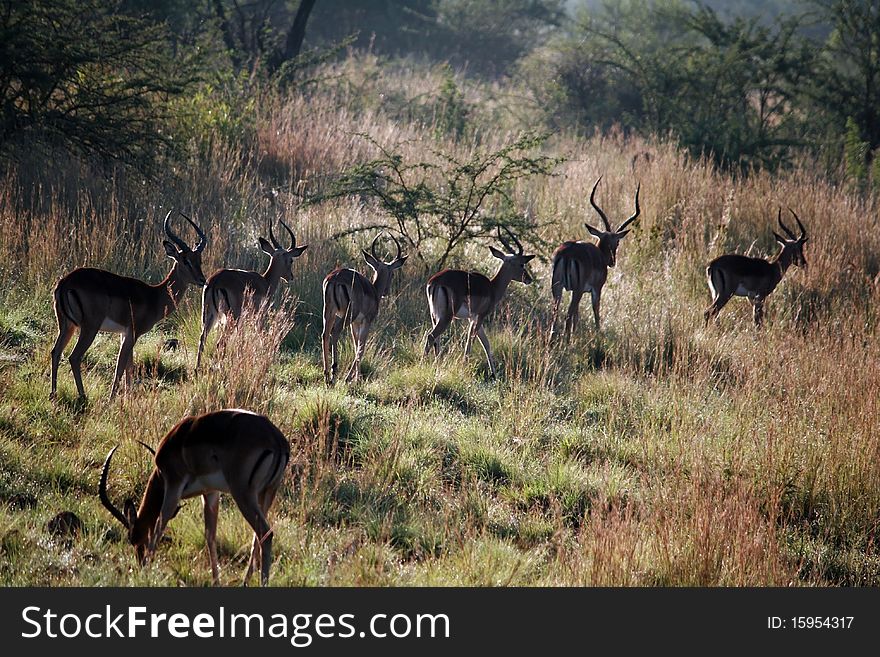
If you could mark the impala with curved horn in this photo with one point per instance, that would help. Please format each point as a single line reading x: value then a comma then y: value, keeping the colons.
x: 227, y: 288
x: 350, y: 298
x: 229, y: 451
x: 96, y: 300
x: 457, y: 294
x: 583, y: 266
x: 738, y: 275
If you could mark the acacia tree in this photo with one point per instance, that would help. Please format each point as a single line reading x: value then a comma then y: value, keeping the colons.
x: 79, y: 74
x: 437, y: 206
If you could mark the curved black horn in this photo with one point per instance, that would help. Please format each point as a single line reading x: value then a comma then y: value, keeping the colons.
x: 373, y: 246
x: 519, y: 247
x: 272, y: 237
x: 149, y: 449
x: 800, y: 225
x: 203, y: 239
x: 507, y: 246
x: 783, y: 226
x: 102, y: 490
x: 292, y: 236
x: 170, y: 233
x: 397, y: 246
x: 597, y: 208
x: 635, y: 214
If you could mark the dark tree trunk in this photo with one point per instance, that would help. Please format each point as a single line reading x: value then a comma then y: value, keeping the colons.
x: 298, y: 30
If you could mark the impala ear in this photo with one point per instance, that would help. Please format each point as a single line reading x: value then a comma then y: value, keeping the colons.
x: 170, y: 249
x: 622, y: 232
x: 399, y: 262
x: 265, y: 246
x: 527, y: 258
x: 779, y: 238
x: 370, y: 259
x: 593, y: 231
x: 298, y: 251
x: 498, y: 254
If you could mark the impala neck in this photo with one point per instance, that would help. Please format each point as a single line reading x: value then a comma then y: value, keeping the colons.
x: 150, y: 507
x: 500, y: 282
x: 272, y: 275
x: 171, y: 290
x: 381, y: 281
x: 784, y: 259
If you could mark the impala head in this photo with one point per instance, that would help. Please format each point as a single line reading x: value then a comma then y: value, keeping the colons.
x: 188, y: 261
x: 513, y: 258
x: 139, y: 525
x: 279, y: 253
x: 792, y: 246
x: 610, y: 238
x: 382, y: 269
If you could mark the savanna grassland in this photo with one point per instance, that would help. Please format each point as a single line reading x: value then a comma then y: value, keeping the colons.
x: 656, y: 452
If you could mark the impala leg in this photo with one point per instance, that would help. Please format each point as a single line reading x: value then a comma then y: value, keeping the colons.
x: 211, y: 503
x: 432, y: 340
x: 329, y: 321
x: 472, y: 332
x: 556, y: 292
x: 571, y: 319
x: 359, y: 333
x: 481, y: 336
x: 715, y: 307
x: 66, y: 329
x: 208, y: 320
x: 86, y: 338
x: 122, y: 360
x: 596, y: 297
x: 250, y: 509
x: 758, y: 311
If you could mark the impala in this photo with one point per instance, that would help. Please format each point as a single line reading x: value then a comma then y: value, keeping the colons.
x: 738, y: 275
x: 456, y: 294
x: 226, y: 289
x: 349, y: 297
x: 229, y: 451
x: 583, y: 266
x: 97, y: 300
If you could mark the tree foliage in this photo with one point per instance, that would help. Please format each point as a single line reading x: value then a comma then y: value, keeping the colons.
x: 79, y: 74
x: 437, y: 206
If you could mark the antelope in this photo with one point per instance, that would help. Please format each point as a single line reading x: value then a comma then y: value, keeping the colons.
x: 583, y: 266
x: 226, y: 288
x: 456, y: 294
x: 229, y: 451
x: 738, y: 275
x: 96, y: 300
x: 350, y: 297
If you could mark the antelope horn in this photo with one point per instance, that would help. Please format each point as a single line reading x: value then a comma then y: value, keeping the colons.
x: 272, y: 237
x: 515, y: 241
x: 800, y: 225
x: 397, y: 245
x: 203, y: 239
x: 597, y: 208
x: 635, y: 214
x: 507, y: 246
x: 289, y: 232
x: 102, y: 490
x: 783, y: 226
x: 170, y: 233
x: 373, y: 246
x: 149, y: 449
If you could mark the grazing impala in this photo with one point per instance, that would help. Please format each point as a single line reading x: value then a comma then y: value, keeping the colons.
x: 349, y: 297
x: 737, y: 275
x: 229, y: 451
x: 225, y: 291
x: 97, y: 300
x: 583, y: 266
x: 456, y: 294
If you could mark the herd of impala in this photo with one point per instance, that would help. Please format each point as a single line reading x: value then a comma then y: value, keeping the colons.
x: 245, y: 454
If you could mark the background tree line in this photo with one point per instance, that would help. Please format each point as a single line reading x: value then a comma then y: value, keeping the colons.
x: 750, y: 85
